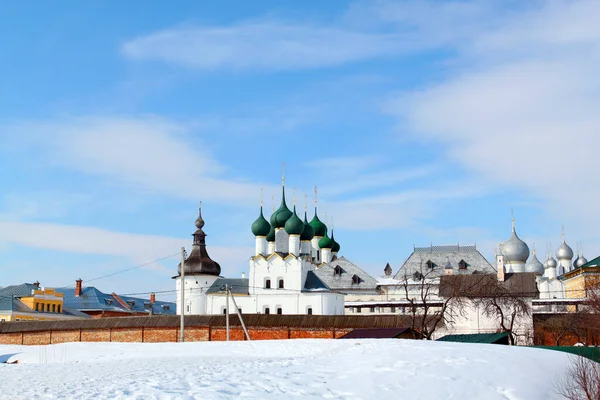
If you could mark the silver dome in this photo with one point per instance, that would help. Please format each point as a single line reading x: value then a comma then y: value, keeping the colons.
x: 514, y: 249
x: 550, y: 262
x: 534, y: 265
x: 564, y: 252
x: 581, y: 260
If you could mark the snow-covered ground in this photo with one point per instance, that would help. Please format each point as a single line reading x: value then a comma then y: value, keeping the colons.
x: 334, y: 369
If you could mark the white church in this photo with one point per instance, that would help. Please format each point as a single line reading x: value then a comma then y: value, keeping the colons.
x: 281, y: 279
x: 514, y: 257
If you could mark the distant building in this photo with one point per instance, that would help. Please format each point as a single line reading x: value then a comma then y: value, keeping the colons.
x: 97, y: 304
x: 30, y: 302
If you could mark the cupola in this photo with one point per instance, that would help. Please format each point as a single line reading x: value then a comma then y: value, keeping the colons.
x: 325, y: 242
x: 294, y: 225
x: 261, y: 226
x: 199, y: 262
x: 308, y: 233
x: 514, y: 249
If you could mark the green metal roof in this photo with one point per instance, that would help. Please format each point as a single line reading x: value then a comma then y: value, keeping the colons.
x: 593, y: 353
x: 493, y: 338
x: 592, y: 263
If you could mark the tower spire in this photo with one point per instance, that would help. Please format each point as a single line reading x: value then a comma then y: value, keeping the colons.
x: 563, y: 233
x: 283, y: 174
x: 261, y: 197
x: 512, y: 217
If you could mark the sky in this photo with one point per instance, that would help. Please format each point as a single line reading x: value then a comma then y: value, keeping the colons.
x: 420, y: 122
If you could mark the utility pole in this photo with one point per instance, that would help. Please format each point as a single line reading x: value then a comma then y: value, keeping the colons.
x: 227, y: 309
x: 239, y: 314
x: 182, y: 288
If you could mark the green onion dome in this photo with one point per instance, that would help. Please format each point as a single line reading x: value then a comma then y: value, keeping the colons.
x: 325, y: 242
x: 271, y: 235
x: 282, y: 214
x: 294, y: 225
x: 308, y: 233
x: 336, y: 246
x: 319, y: 227
x: 261, y: 227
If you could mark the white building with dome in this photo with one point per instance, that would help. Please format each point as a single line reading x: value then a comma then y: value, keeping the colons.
x: 281, y: 278
x: 514, y: 257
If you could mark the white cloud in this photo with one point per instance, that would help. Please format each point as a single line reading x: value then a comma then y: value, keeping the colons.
x: 270, y: 45
x: 521, y: 108
x: 149, y: 153
x: 94, y: 241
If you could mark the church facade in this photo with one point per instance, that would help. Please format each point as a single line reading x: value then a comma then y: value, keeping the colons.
x: 281, y: 278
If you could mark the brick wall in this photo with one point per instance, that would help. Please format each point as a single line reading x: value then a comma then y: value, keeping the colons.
x: 198, y: 328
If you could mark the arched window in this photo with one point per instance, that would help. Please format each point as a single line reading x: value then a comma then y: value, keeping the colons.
x: 431, y: 264
x: 267, y: 310
x: 309, y: 311
x: 58, y: 308
x: 279, y: 311
x: 337, y: 271
x: 281, y: 284
x: 268, y: 284
x: 53, y: 307
x: 462, y: 264
x: 355, y: 279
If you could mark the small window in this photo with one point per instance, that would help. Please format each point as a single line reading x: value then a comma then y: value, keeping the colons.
x: 281, y: 284
x: 309, y: 311
x: 240, y: 310
x: 279, y: 311
x: 431, y: 264
x: 37, y: 306
x: 224, y: 311
x: 268, y: 284
x: 337, y: 271
x: 131, y: 302
x: 267, y: 310
x: 108, y: 301
x: 358, y: 309
x: 17, y: 319
x: 462, y: 264
x: 355, y: 279
x: 393, y: 309
x: 58, y: 308
x: 53, y: 308
x: 372, y: 309
x: 187, y: 308
x: 166, y: 307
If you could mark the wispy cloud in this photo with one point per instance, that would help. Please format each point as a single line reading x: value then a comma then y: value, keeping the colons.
x: 149, y: 152
x: 268, y: 44
x: 520, y: 107
x: 89, y: 240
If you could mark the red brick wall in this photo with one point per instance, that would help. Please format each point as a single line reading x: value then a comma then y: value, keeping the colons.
x: 65, y: 336
x: 95, y: 335
x: 11, y: 338
x: 195, y: 334
x: 156, y: 335
x: 126, y: 335
x: 166, y: 334
x: 220, y: 334
x: 338, y: 333
x: 311, y: 334
x: 36, y: 338
x: 268, y: 334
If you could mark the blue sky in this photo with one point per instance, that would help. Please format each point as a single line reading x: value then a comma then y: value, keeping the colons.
x: 420, y: 122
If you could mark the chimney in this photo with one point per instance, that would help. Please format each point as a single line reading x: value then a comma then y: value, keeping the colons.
x: 36, y: 284
x: 152, y: 298
x: 500, y: 267
x: 243, y: 275
x: 78, y: 287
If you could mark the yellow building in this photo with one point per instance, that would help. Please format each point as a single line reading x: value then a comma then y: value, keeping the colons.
x: 30, y: 302
x: 578, y: 281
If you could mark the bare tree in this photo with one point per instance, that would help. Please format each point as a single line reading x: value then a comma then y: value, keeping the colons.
x: 428, y: 311
x: 593, y: 298
x: 509, y: 308
x: 559, y: 327
x: 582, y: 381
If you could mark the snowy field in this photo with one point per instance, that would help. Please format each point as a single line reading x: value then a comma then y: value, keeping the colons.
x: 328, y: 369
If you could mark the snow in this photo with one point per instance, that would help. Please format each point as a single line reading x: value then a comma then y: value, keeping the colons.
x: 308, y: 368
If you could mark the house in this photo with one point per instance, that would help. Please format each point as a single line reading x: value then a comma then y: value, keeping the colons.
x: 97, y: 304
x: 487, y: 303
x: 30, y: 302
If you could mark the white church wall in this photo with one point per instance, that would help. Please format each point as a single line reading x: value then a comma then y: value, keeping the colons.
x: 195, y: 293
